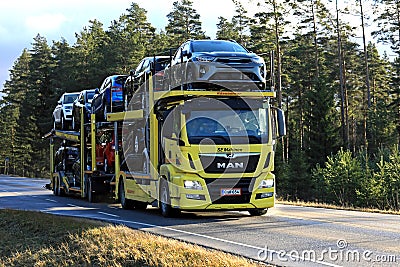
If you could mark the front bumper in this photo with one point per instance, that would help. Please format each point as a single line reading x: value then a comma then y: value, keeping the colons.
x: 251, y: 197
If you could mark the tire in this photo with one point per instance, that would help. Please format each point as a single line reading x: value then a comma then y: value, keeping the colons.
x: 165, y: 201
x: 126, y: 204
x: 90, y: 194
x: 55, y: 186
x: 258, y: 212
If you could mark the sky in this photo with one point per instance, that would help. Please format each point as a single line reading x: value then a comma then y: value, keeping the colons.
x: 22, y: 20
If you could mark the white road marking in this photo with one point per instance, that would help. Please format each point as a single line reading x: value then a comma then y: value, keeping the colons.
x: 75, y: 206
x: 51, y: 200
x: 108, y: 214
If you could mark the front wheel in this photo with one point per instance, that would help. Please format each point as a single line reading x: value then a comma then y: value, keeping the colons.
x: 165, y: 205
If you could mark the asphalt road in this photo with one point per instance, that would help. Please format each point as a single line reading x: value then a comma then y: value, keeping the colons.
x: 285, y: 236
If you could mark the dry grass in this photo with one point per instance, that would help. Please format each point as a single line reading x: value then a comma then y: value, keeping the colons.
x: 331, y: 206
x: 35, y: 239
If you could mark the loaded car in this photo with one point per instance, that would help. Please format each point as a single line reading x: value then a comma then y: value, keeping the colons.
x: 215, y: 62
x: 148, y: 65
x: 65, y: 157
x: 109, y: 98
x: 83, y: 102
x: 62, y: 114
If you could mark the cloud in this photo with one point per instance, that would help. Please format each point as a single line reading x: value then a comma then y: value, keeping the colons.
x: 45, y: 23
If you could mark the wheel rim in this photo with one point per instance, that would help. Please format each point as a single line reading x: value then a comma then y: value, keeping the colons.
x: 73, y: 122
x: 122, y: 194
x: 62, y: 122
x: 164, y: 199
x: 90, y: 196
x: 105, y: 164
x: 58, y: 186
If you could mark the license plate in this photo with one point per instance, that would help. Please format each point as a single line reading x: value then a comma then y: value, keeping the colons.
x: 231, y: 192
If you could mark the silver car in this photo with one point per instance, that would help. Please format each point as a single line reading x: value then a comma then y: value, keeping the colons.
x: 215, y: 63
x: 62, y: 114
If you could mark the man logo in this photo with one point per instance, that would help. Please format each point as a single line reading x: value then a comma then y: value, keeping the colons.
x: 230, y: 165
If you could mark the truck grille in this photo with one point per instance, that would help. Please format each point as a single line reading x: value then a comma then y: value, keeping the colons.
x: 223, y: 164
x: 215, y: 186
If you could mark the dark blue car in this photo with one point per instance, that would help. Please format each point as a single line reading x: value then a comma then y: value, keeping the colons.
x: 109, y: 98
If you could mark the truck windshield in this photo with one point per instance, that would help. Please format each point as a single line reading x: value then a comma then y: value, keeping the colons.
x: 243, y: 126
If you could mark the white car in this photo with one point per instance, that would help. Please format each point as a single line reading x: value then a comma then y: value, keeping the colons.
x: 62, y: 114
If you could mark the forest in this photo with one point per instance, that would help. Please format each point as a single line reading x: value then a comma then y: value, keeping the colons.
x: 341, y: 97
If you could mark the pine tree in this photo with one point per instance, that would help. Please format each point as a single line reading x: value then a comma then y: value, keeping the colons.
x: 241, y: 22
x: 226, y: 30
x: 183, y: 23
x: 16, y: 89
x: 91, y: 67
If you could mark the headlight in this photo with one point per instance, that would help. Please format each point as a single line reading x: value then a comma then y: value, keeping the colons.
x: 258, y: 60
x: 195, y: 185
x: 204, y: 58
x: 266, y: 183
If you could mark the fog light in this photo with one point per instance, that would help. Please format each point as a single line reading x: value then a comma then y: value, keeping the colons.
x: 202, y: 71
x: 195, y: 196
x: 264, y: 195
x: 266, y: 183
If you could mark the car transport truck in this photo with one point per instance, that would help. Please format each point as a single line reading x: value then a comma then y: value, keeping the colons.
x: 178, y: 149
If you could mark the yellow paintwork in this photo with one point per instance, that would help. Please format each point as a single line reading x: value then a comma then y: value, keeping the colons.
x: 177, y: 167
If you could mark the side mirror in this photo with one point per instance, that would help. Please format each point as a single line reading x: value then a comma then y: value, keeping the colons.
x: 278, y: 123
x: 59, y: 102
x: 96, y: 91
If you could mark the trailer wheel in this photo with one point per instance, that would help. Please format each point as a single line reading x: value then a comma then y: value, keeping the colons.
x: 90, y: 194
x: 258, y: 212
x: 55, y: 190
x: 125, y: 203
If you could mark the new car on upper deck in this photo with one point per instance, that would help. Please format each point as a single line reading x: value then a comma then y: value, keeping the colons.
x: 215, y: 63
x: 62, y: 114
x: 109, y: 98
x: 84, y: 103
